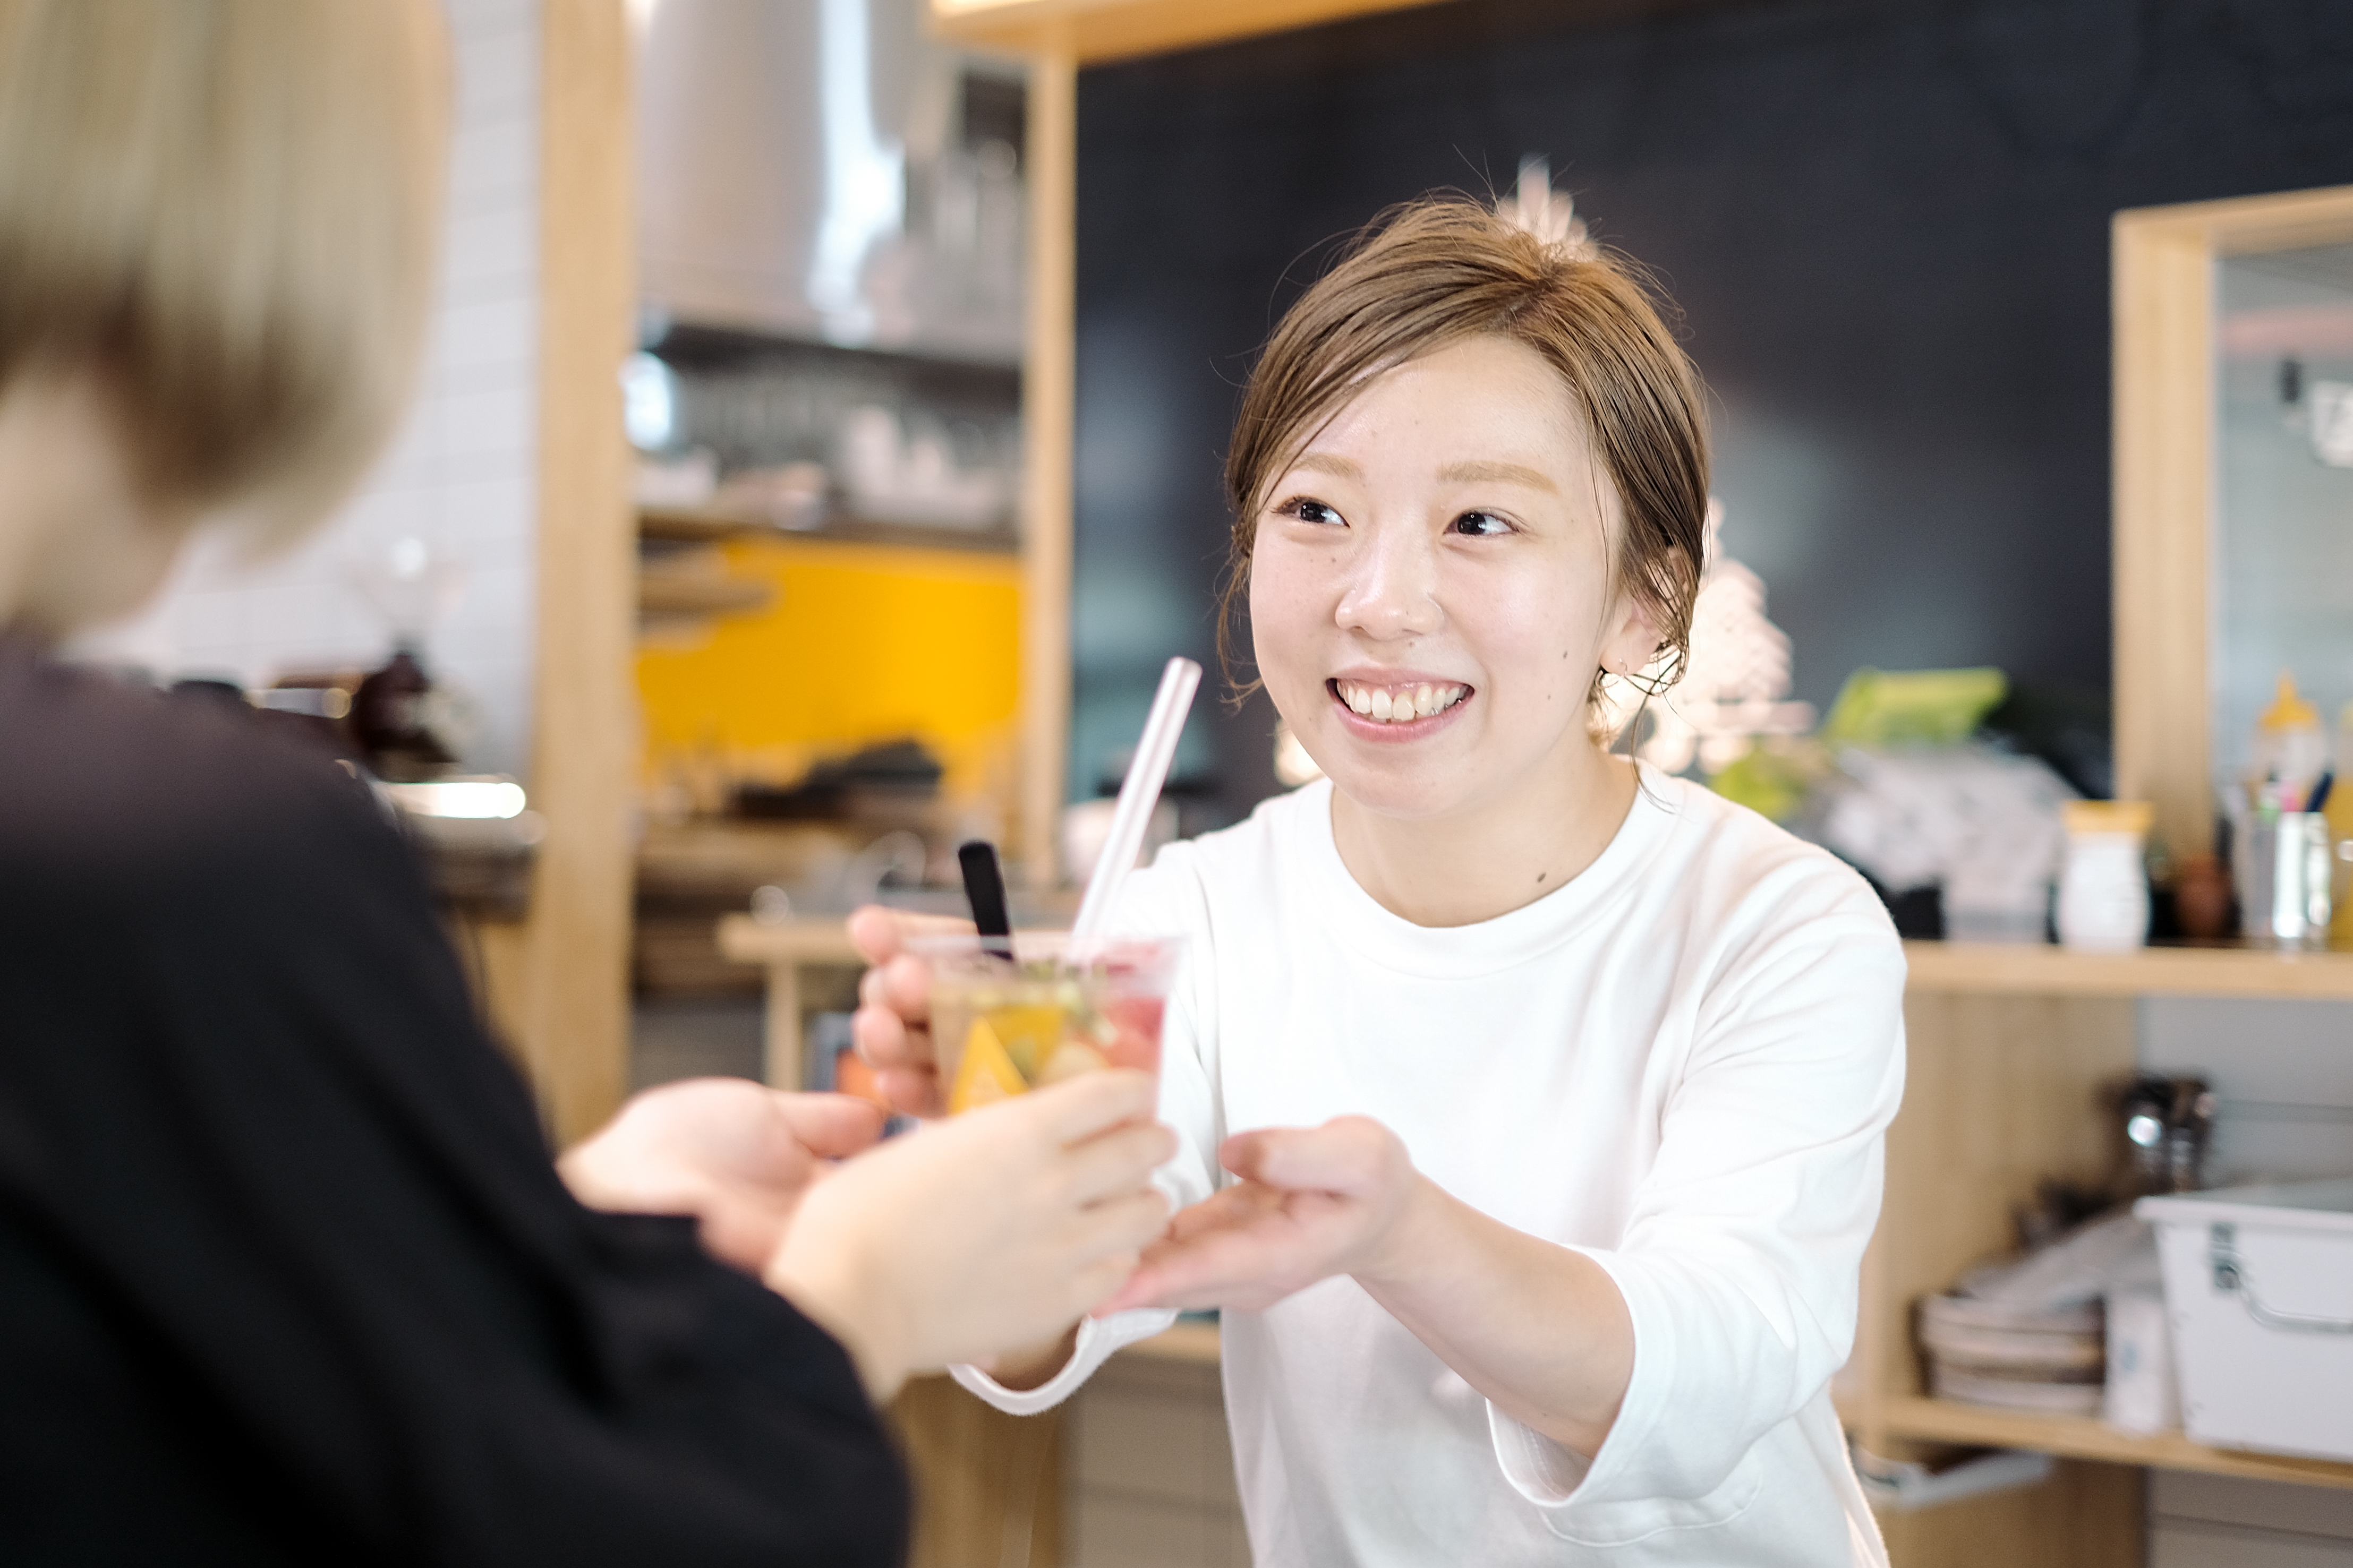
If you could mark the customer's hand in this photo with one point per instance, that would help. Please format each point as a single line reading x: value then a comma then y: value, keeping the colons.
x: 973, y: 1236
x: 892, y: 1028
x: 732, y: 1153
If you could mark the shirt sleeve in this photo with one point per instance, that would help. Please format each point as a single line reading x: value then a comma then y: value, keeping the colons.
x: 1160, y: 901
x: 281, y: 1248
x: 1741, y: 1259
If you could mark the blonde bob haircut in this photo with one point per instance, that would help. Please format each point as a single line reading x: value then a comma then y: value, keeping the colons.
x: 1438, y: 271
x: 225, y: 212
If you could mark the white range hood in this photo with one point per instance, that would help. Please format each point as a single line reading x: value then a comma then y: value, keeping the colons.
x: 818, y: 169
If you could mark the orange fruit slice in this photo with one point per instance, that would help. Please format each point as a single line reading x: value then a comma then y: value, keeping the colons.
x: 987, y: 1074
x: 1029, y: 1031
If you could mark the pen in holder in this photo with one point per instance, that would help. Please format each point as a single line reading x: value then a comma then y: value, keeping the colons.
x: 2283, y: 894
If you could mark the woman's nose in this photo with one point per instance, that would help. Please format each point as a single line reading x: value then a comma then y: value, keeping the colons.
x: 1392, y: 589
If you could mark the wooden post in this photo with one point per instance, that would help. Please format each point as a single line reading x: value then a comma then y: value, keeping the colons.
x: 2164, y: 454
x: 559, y: 982
x: 1048, y: 372
x: 2164, y: 481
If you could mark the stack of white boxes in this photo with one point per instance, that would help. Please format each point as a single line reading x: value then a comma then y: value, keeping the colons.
x: 2286, y: 1085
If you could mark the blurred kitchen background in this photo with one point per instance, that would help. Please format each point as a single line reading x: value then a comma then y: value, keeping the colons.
x: 1888, y: 231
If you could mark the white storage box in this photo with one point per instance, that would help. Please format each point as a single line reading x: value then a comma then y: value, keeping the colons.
x: 2259, y: 1284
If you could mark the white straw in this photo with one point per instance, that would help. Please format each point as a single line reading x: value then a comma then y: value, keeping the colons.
x: 1138, y: 794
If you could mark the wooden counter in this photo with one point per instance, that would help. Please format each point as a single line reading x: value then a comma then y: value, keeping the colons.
x: 785, y: 948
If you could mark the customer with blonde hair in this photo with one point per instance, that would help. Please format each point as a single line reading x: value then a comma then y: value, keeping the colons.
x: 286, y: 1272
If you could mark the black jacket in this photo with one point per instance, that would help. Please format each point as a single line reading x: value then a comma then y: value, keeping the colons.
x: 286, y: 1274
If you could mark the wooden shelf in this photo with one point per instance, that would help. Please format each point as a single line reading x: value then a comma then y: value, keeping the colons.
x: 671, y: 594
x: 1192, y: 1342
x: 804, y: 938
x: 693, y: 525
x: 1100, y: 30
x: 2086, y: 1437
x: 2026, y: 970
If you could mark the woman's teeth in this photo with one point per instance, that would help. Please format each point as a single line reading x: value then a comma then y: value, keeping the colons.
x: 1398, y: 704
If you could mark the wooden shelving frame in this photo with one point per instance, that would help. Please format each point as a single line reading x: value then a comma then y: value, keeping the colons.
x: 702, y: 525
x: 1099, y: 31
x: 2088, y: 1438
x: 2162, y: 294
x: 2010, y: 1052
x: 2006, y: 968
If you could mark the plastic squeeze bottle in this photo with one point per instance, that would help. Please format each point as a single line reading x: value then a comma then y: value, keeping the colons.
x: 2290, y: 750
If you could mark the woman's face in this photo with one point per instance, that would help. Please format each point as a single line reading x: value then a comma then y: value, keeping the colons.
x: 1431, y: 587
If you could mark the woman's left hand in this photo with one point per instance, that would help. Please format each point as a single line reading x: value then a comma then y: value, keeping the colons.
x: 733, y: 1154
x: 1312, y: 1203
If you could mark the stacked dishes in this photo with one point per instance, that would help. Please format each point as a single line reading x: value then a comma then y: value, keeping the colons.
x: 2049, y: 1359
x: 2030, y: 1333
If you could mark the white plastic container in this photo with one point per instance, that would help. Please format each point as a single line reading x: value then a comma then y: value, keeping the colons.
x: 2259, y: 1286
x: 2103, y: 885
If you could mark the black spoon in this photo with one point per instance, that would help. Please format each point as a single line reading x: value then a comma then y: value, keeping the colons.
x: 983, y: 889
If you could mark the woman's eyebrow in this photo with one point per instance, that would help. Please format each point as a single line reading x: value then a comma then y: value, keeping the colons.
x: 1475, y: 471
x: 1330, y: 463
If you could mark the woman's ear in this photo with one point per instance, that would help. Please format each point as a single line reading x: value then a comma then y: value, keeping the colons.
x: 1632, y: 640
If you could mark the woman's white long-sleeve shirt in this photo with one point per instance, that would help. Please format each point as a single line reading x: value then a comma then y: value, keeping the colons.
x: 1680, y: 1064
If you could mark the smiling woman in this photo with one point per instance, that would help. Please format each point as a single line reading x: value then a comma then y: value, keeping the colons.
x: 1438, y: 273
x: 1531, y: 1104
x: 1432, y: 595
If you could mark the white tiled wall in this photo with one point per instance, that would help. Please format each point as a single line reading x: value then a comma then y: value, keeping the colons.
x: 459, y: 474
x: 2282, y: 1069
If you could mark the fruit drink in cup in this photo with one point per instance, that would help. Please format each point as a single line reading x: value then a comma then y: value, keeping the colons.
x: 1003, y: 1028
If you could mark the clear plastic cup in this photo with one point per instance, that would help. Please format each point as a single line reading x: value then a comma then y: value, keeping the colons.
x: 1003, y: 1028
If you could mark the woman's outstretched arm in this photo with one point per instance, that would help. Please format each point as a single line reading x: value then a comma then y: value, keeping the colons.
x: 1541, y: 1330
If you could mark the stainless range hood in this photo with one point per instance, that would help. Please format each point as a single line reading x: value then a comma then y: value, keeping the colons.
x: 820, y: 169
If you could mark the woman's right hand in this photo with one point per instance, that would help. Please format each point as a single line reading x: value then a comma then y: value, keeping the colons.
x: 892, y: 1028
x: 978, y: 1236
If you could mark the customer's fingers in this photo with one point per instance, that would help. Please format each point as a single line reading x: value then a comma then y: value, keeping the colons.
x: 831, y: 1126
x: 1077, y: 1108
x: 1118, y: 1162
x: 1095, y: 1283
x: 1125, y: 1225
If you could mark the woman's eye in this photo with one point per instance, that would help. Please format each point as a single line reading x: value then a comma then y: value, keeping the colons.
x: 1307, y: 511
x: 1479, y: 525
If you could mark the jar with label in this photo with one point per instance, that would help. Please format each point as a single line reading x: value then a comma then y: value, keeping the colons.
x: 2103, y: 882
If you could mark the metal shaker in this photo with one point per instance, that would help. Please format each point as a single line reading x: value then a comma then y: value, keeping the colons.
x: 2283, y: 893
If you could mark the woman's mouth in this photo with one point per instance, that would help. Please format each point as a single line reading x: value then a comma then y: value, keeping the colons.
x: 1400, y: 704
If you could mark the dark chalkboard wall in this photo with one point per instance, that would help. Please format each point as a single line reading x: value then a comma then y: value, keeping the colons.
x: 1885, y: 223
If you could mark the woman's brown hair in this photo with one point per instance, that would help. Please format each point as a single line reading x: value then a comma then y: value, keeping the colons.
x: 226, y: 211
x: 1436, y: 272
